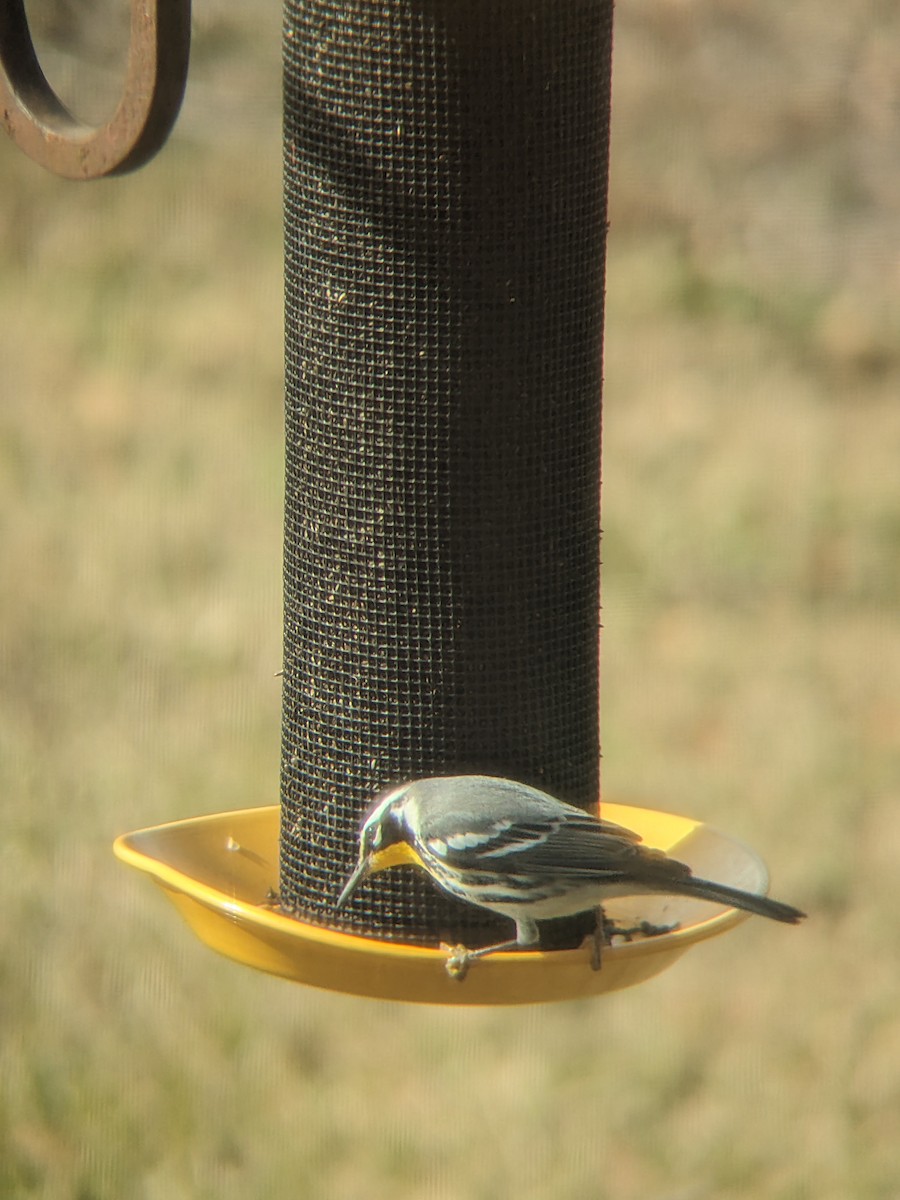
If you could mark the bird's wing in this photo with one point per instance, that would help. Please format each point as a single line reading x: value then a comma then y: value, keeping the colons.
x: 574, y: 847
x: 477, y: 823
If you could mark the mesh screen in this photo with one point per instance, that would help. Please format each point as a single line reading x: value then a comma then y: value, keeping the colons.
x: 445, y: 210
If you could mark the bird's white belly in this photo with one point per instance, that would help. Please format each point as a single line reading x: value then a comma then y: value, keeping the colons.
x: 570, y: 902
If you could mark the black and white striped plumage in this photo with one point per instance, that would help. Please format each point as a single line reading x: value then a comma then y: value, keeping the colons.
x: 519, y: 852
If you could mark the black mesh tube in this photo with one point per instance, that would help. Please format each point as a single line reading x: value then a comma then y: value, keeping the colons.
x: 445, y: 208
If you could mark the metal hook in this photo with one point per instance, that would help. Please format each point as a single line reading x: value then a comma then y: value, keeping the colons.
x: 40, y: 124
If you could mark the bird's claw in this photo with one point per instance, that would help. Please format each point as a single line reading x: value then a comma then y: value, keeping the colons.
x: 602, y: 936
x: 597, y: 950
x: 457, y: 962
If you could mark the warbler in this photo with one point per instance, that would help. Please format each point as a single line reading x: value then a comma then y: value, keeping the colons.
x: 519, y: 852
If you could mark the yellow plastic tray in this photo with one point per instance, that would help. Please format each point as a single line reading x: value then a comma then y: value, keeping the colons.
x: 218, y: 870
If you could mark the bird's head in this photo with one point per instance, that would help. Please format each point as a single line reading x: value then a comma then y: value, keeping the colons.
x: 383, y: 839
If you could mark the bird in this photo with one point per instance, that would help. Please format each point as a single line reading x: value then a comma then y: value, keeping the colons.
x: 517, y: 851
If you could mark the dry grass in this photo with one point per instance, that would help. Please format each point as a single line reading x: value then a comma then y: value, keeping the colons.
x: 751, y: 661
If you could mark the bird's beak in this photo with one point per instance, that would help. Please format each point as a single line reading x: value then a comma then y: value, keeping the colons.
x: 378, y: 860
x: 360, y: 871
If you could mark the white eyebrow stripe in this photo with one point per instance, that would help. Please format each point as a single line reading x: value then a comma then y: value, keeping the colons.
x: 438, y: 845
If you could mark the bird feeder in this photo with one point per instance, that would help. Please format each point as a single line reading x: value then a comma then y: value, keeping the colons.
x: 445, y: 184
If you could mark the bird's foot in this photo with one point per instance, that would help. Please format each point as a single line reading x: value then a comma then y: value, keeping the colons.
x: 597, y: 950
x: 457, y: 962
x: 599, y: 938
x: 460, y: 958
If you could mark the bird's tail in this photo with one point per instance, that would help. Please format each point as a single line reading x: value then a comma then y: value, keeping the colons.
x: 721, y: 893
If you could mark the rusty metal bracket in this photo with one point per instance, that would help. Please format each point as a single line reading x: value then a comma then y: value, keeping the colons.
x: 40, y: 124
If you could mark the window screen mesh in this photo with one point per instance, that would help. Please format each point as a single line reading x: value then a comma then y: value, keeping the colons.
x: 445, y: 210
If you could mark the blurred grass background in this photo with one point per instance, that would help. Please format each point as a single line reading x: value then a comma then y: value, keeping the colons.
x: 751, y: 659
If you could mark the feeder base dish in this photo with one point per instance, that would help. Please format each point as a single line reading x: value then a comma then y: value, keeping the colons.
x: 221, y: 871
